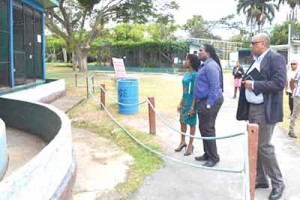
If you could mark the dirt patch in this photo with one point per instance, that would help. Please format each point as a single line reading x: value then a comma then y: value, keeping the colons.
x: 100, y: 166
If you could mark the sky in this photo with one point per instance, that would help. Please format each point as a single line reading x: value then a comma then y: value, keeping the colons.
x: 216, y: 9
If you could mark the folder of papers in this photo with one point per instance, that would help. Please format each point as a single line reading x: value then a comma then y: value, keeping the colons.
x: 254, y: 75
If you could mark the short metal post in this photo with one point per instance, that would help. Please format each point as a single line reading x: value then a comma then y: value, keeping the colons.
x: 87, y: 86
x: 152, y: 123
x: 93, y: 81
x: 75, y: 79
x: 102, y: 96
x: 253, y: 131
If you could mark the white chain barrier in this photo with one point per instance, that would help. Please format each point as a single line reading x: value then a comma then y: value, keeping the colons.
x: 159, y: 153
x: 244, y: 171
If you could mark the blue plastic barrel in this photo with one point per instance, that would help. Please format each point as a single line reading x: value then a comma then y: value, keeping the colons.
x: 128, y: 93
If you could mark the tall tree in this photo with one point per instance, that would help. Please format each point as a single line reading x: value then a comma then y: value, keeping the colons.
x: 128, y: 32
x: 257, y: 11
x: 293, y: 5
x: 73, y: 17
x: 229, y: 22
x: 197, y: 28
x: 279, y: 34
x: 164, y: 26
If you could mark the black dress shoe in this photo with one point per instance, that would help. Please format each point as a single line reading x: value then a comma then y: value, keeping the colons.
x: 201, y: 158
x: 292, y: 135
x: 209, y: 163
x: 262, y: 185
x: 277, y: 192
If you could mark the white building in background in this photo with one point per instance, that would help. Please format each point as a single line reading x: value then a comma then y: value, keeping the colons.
x: 222, y: 47
x: 290, y: 51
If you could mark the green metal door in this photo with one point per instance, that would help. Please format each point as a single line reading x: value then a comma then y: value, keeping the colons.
x: 19, y: 50
x: 29, y: 43
x: 4, y: 44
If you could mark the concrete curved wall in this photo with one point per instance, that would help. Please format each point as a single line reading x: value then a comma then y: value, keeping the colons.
x: 48, y: 174
x: 3, y: 150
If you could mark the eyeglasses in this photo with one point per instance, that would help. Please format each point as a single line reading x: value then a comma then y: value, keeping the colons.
x: 254, y: 43
x: 293, y: 63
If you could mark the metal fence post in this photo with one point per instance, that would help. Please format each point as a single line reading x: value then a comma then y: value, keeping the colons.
x: 152, y: 124
x: 93, y: 82
x: 87, y: 87
x: 75, y: 79
x: 252, y: 150
x: 102, y: 96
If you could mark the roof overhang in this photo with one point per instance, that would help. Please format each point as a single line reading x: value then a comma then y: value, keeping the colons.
x: 280, y: 47
x: 48, y: 3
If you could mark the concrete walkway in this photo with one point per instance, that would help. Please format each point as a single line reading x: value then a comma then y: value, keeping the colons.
x: 101, y: 165
x: 22, y: 147
x: 177, y: 181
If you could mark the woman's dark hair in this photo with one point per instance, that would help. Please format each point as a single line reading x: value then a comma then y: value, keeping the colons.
x: 194, y: 61
x: 212, y: 52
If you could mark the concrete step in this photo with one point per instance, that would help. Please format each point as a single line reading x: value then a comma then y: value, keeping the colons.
x: 66, y: 103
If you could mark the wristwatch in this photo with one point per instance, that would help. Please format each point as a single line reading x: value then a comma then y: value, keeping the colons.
x: 208, y: 106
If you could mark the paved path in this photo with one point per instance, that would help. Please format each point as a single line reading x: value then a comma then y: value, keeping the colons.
x: 176, y: 181
x: 100, y: 164
x: 22, y: 147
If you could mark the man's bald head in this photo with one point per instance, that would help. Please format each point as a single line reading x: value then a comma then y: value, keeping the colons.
x: 260, y: 43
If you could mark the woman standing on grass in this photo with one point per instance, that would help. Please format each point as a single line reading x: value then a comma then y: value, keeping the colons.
x: 186, y: 106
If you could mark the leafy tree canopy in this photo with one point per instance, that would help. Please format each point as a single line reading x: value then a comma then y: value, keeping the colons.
x: 197, y: 28
x: 279, y: 34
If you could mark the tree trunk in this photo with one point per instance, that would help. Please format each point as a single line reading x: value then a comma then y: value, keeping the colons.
x: 82, y: 60
x: 65, y: 56
x: 74, y: 61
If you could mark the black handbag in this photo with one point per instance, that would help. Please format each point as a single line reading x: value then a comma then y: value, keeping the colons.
x: 243, y: 106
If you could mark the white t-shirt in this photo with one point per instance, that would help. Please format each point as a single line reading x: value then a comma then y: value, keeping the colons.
x: 290, y: 74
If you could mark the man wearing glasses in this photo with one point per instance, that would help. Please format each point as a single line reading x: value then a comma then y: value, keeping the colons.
x: 261, y: 102
x: 295, y: 99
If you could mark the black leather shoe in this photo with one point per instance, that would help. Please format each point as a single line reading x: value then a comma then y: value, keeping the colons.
x: 277, y: 192
x: 201, y: 158
x: 292, y: 135
x: 262, y: 185
x: 209, y: 163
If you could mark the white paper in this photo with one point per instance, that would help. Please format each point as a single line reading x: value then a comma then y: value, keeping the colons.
x: 39, y: 38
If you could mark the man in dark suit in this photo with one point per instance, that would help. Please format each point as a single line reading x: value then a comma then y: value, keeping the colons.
x: 260, y: 102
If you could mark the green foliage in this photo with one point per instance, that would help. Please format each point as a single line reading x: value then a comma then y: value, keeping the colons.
x: 145, y: 53
x: 162, y: 30
x: 137, y: 11
x: 55, y: 42
x: 279, y: 34
x: 196, y: 26
x: 89, y: 4
x: 291, y: 3
x: 257, y: 11
x: 241, y: 38
x: 153, y: 46
x: 73, y: 16
x: 129, y: 32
